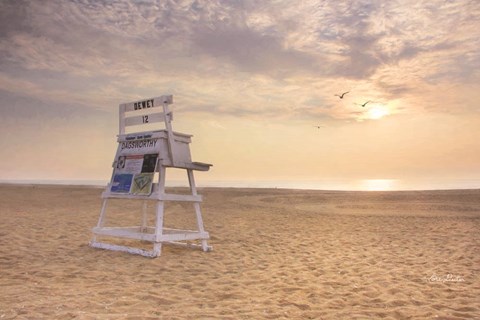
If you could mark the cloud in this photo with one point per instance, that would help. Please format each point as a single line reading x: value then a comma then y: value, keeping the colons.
x: 239, y: 58
x: 251, y: 51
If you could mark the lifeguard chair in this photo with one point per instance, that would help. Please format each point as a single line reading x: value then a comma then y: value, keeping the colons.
x: 139, y: 156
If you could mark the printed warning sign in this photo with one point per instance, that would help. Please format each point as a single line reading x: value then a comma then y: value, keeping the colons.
x: 121, y: 183
x: 149, y: 162
x: 135, y: 165
x: 140, y: 163
x: 142, y: 184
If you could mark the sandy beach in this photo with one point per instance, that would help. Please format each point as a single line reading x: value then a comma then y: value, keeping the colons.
x: 277, y: 254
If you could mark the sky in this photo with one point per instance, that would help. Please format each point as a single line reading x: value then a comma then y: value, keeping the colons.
x: 251, y: 80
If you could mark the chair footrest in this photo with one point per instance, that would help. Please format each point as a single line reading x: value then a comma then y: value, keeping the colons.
x: 199, y: 166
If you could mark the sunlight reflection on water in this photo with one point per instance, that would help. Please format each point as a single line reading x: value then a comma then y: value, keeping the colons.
x: 351, y: 185
x: 322, y: 184
x: 378, y: 184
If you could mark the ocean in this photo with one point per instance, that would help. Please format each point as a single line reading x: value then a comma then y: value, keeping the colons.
x: 321, y: 184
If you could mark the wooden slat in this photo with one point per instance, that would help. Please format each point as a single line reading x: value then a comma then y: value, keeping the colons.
x: 126, y: 232
x: 184, y: 236
x: 144, y: 119
x: 114, y: 247
x: 169, y: 235
x: 189, y: 245
x: 180, y: 197
x: 145, y: 253
x: 154, y: 196
x: 147, y: 103
x: 198, y: 166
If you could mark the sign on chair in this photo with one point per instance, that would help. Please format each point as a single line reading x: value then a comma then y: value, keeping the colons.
x: 139, y: 156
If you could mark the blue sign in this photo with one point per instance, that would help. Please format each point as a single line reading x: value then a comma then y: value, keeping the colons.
x: 122, y: 183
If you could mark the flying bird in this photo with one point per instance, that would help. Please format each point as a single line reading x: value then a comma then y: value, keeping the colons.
x: 341, y: 95
x: 318, y: 127
x: 363, y: 105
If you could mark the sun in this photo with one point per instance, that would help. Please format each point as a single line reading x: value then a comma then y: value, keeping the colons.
x: 378, y: 111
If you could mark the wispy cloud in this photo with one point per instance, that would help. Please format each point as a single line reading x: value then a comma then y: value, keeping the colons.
x: 241, y: 58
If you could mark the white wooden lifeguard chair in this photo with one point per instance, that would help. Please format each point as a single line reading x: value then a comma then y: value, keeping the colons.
x: 139, y: 156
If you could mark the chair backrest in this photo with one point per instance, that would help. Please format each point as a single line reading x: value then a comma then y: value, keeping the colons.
x: 140, y: 113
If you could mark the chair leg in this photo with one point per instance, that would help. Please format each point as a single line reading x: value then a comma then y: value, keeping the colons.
x: 144, y: 216
x: 157, y: 246
x: 101, y: 219
x: 198, y: 212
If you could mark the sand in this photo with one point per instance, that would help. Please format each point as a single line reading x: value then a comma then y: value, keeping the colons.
x: 278, y: 254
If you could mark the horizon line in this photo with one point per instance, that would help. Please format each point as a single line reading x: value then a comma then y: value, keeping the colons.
x: 360, y: 185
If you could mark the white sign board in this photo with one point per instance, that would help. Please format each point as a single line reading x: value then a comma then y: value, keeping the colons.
x: 135, y: 164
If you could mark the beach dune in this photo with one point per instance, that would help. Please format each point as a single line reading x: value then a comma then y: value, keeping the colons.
x: 277, y: 254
